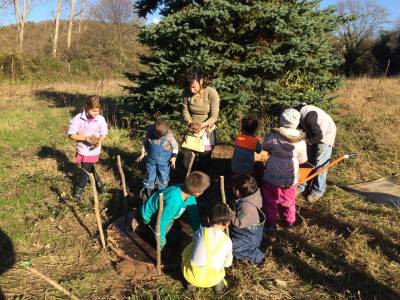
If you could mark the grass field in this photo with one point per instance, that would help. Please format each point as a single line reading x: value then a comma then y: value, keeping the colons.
x: 344, y: 247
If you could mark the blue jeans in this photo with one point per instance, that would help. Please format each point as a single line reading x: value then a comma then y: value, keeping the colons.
x: 159, y: 171
x: 319, y: 155
x: 246, y: 242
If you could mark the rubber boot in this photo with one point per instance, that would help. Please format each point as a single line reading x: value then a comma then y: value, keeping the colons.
x: 101, y: 188
x: 78, y: 192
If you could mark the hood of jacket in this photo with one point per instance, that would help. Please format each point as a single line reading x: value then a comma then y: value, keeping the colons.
x: 289, y: 134
x: 254, y: 199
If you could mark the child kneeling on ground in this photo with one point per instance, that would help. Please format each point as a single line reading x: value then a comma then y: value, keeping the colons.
x: 204, y: 260
x: 287, y: 149
x: 177, y: 199
x: 248, y: 221
x: 161, y: 149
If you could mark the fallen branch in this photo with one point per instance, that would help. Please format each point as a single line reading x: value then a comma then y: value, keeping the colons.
x: 27, y: 266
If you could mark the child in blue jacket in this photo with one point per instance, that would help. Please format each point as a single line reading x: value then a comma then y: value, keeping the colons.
x: 161, y: 149
x: 177, y: 199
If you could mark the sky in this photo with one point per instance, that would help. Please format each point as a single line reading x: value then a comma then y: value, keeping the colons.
x: 44, y: 11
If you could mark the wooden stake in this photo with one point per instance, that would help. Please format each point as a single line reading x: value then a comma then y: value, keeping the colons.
x: 190, y: 163
x: 222, y: 187
x: 52, y: 282
x: 160, y: 210
x: 96, y: 210
x: 124, y: 190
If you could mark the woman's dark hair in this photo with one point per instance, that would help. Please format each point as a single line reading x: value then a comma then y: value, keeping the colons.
x: 246, y: 185
x: 194, y: 75
x: 220, y: 215
x: 249, y: 124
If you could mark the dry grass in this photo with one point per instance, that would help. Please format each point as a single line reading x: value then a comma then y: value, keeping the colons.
x: 342, y: 248
x: 11, y: 90
x: 368, y: 118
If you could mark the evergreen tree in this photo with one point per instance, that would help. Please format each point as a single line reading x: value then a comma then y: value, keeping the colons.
x: 259, y: 55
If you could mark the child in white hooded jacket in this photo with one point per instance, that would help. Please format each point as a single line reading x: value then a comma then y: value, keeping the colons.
x: 287, y: 149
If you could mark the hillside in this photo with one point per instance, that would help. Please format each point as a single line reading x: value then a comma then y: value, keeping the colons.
x: 94, y: 46
x: 343, y: 247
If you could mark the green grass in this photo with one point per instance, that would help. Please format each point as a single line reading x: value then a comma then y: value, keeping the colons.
x: 343, y: 247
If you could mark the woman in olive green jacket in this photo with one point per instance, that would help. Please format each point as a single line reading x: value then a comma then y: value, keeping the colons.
x: 200, y: 113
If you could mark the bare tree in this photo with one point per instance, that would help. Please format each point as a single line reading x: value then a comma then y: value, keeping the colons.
x: 397, y: 24
x: 83, y: 10
x: 5, y: 4
x: 365, y: 19
x: 70, y: 23
x: 22, y: 8
x: 56, y: 28
x: 114, y: 11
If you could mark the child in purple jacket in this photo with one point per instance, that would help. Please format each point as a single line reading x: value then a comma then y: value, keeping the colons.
x: 287, y: 149
x: 88, y: 129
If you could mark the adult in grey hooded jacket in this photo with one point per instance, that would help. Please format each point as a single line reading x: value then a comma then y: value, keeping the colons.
x: 320, y: 132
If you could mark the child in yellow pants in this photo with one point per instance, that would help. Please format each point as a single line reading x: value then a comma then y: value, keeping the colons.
x: 204, y: 260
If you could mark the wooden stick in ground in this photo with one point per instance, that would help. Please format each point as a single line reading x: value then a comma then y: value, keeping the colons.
x: 52, y: 282
x: 96, y: 210
x: 222, y: 187
x: 124, y: 190
x: 160, y: 210
x: 192, y: 157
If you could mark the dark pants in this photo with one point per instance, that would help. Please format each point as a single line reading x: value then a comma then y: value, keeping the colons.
x: 246, y: 242
x: 83, y: 177
x: 202, y: 160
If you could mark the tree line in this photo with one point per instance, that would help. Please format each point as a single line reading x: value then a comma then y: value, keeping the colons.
x: 82, y: 37
x: 368, y: 43
x: 85, y: 36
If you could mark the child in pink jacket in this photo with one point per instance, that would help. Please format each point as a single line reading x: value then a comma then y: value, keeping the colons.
x: 287, y: 149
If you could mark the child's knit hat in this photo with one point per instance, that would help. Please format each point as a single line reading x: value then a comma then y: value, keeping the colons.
x: 290, y: 118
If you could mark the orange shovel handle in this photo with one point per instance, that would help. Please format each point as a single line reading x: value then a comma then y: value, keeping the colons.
x: 319, y: 171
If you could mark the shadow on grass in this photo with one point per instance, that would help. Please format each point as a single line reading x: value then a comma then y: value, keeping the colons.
x: 72, y: 210
x: 64, y: 164
x: 330, y: 222
x: 76, y: 102
x: 389, y: 200
x: 342, y: 276
x: 7, y: 255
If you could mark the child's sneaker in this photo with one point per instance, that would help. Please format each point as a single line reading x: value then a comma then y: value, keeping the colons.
x: 101, y: 189
x: 220, y: 287
x: 312, y: 198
